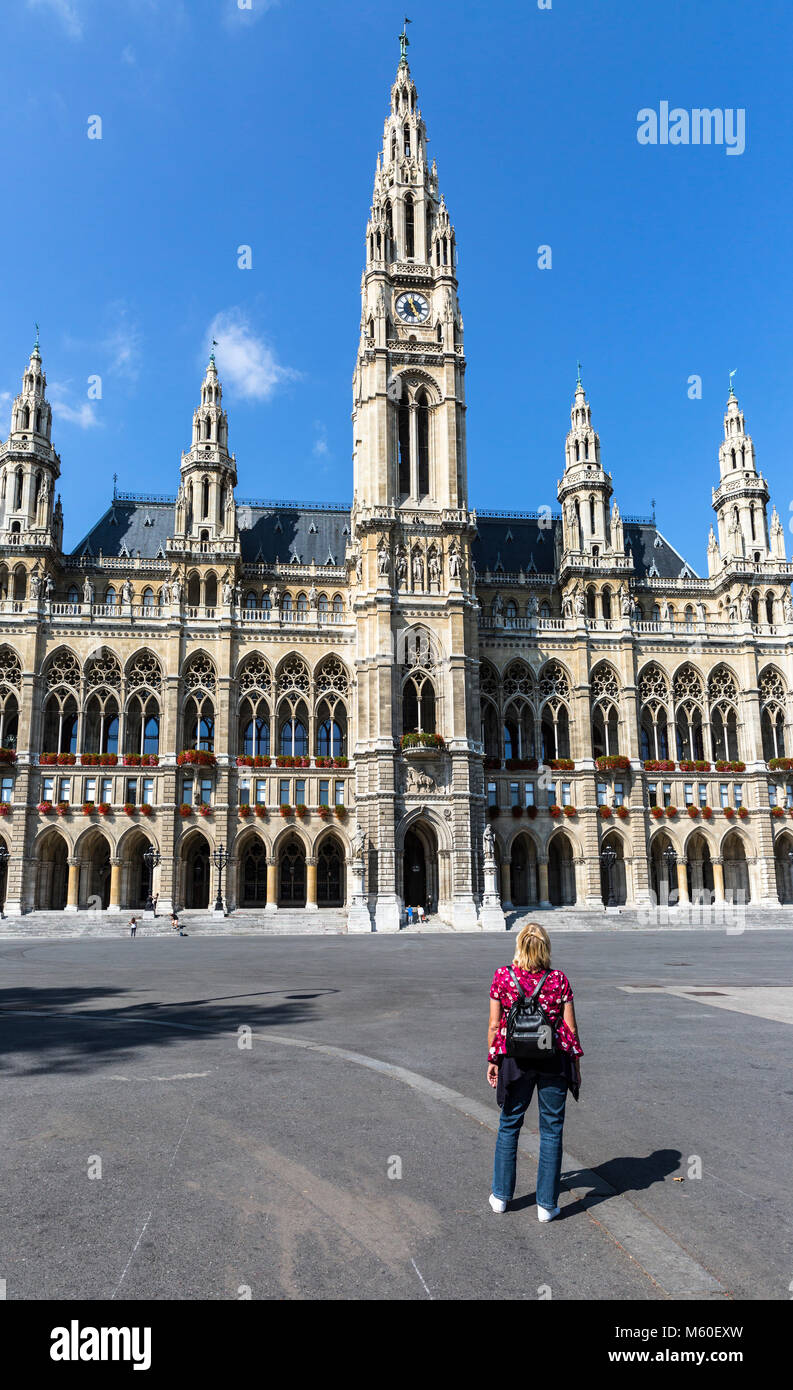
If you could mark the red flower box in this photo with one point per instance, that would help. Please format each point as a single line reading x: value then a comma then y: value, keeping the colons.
x: 340, y: 811
x: 697, y: 765
x: 659, y: 765
x: 605, y: 812
x: 517, y: 811
x: 657, y: 812
x: 777, y: 812
x: 622, y: 812
x: 129, y: 808
x: 63, y: 808
x: 57, y: 759
x: 531, y: 812
x: 44, y: 807
x: 7, y: 755
x: 205, y: 810
x: 612, y: 761
x: 670, y: 811
x: 261, y: 812
x: 692, y: 811
x: 775, y: 764
x: 104, y: 808
x: 562, y: 764
x: 569, y: 810
x: 707, y: 812
x: 728, y: 811
x: 5, y: 809
x: 252, y: 760
x: 99, y: 759
x: 146, y: 809
x: 300, y: 811
x: 554, y: 812
x: 421, y: 741
x: 185, y: 810
x: 141, y: 760
x: 196, y: 756
x: 323, y: 812
x: 88, y: 808
x: 743, y: 812
x: 723, y: 765
x: 285, y: 811
x: 285, y: 760
x: 244, y: 812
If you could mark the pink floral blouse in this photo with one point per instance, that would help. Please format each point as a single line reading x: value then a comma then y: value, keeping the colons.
x: 555, y: 993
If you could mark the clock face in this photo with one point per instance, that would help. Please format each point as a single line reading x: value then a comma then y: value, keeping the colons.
x: 412, y: 307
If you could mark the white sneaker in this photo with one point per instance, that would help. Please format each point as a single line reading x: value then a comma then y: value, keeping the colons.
x: 497, y: 1204
x: 547, y: 1213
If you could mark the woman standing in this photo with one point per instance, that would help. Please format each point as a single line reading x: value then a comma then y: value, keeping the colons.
x: 514, y: 1080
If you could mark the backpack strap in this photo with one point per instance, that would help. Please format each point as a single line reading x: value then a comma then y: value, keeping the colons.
x: 521, y: 990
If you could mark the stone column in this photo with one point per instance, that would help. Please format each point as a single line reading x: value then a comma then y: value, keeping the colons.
x: 718, y: 880
x: 543, y: 872
x: 506, y: 883
x: 272, y: 886
x: 311, y: 885
x: 682, y: 884
x: 358, y: 918
x: 115, y: 886
x: 73, y: 889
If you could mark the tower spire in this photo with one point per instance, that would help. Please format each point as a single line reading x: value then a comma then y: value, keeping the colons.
x: 404, y: 43
x: 26, y: 508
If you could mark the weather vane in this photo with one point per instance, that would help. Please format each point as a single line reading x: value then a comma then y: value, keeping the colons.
x: 732, y: 374
x: 578, y: 364
x: 404, y: 41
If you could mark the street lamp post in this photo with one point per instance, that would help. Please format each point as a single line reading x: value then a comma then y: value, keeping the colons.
x: 4, y: 856
x: 220, y: 858
x: 670, y: 859
x: 151, y: 859
x: 608, y: 859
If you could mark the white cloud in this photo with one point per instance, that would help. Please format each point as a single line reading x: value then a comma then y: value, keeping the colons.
x: 82, y: 414
x: 123, y: 344
x: 246, y: 362
x: 236, y: 16
x: 321, y: 449
x: 64, y: 10
x: 128, y: 56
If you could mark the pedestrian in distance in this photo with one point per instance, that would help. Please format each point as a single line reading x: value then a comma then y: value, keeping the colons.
x: 154, y: 904
x: 422, y: 918
x: 533, y: 1044
x: 409, y: 914
x: 133, y: 926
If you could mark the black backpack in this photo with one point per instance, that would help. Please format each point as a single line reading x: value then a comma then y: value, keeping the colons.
x: 529, y: 1033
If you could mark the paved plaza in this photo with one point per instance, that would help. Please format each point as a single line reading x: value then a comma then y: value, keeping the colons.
x: 308, y: 1117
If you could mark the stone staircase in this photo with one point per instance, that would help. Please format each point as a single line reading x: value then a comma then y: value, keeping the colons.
x: 74, y: 925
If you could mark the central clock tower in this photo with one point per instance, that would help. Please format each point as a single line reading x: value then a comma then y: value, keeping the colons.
x: 420, y: 806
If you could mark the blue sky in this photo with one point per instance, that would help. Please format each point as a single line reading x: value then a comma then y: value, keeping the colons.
x: 224, y: 127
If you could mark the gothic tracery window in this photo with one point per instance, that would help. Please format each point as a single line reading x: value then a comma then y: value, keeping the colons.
x: 773, y: 699
x: 605, y: 711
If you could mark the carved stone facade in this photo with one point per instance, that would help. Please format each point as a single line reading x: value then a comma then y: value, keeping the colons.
x: 401, y: 701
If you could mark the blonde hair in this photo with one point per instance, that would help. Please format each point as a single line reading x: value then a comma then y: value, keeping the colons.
x: 532, y: 948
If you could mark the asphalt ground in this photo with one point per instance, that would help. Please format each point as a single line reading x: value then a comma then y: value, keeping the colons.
x: 227, y: 1168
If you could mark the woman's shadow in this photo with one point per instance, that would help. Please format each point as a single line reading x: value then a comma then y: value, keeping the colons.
x: 615, y: 1178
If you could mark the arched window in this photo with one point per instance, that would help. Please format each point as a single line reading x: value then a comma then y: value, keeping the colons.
x: 286, y: 605
x: 18, y: 490
x: 110, y: 597
x: 73, y: 595
x: 688, y: 700
x: 332, y: 686
x: 409, y: 225
x: 605, y: 712
x: 62, y: 679
x: 250, y: 599
x: 554, y: 692
x: 653, y: 698
x: 338, y: 604
x: 20, y: 582
x: 323, y: 603
x: 211, y: 591
x: 404, y: 450
x: 423, y: 430
x: 592, y: 515
x: 205, y: 492
x: 302, y: 606
x: 194, y: 590
x: 148, y: 598
x: 255, y: 685
x: 418, y: 704
x: 200, y: 683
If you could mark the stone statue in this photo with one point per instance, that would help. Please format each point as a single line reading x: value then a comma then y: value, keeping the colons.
x: 49, y: 587
x: 238, y: 593
x: 358, y: 568
x: 312, y: 596
x: 787, y: 604
x: 126, y: 592
x: 35, y: 585
x: 746, y: 608
x: 580, y: 603
x: 228, y: 591
x: 701, y: 615
x: 625, y: 602
x: 567, y: 606
x: 176, y: 588
x: 383, y: 561
x: 489, y: 845
x: 358, y: 843
x: 498, y: 606
x: 275, y: 598
x: 534, y: 605
x: 418, y: 571
x: 88, y: 591
x: 401, y: 565
x: 454, y: 563
x: 165, y: 593
x: 666, y: 611
x: 434, y: 567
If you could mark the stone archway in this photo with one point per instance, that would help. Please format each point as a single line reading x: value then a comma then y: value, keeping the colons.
x: 330, y: 872
x: 93, y: 855
x: 619, y: 882
x: 195, y: 871
x: 292, y: 872
x: 252, y: 872
x: 420, y: 867
x: 561, y: 871
x: 736, y: 870
x: 52, y: 876
x: 524, y: 879
x: 783, y: 848
x: 663, y: 884
x: 134, y: 871
x: 699, y: 867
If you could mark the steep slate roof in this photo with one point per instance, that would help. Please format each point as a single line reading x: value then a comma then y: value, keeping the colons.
x: 268, y: 533
x: 278, y: 531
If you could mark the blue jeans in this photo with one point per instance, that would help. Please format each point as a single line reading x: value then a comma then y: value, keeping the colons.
x: 551, y: 1099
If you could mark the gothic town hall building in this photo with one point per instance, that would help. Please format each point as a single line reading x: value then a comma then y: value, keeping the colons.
x: 351, y: 699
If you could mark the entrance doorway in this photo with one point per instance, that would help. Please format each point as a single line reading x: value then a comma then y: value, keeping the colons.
x: 561, y: 872
x: 196, y: 874
x: 414, y: 868
x: 253, y: 891
x: 292, y: 874
x: 330, y: 873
